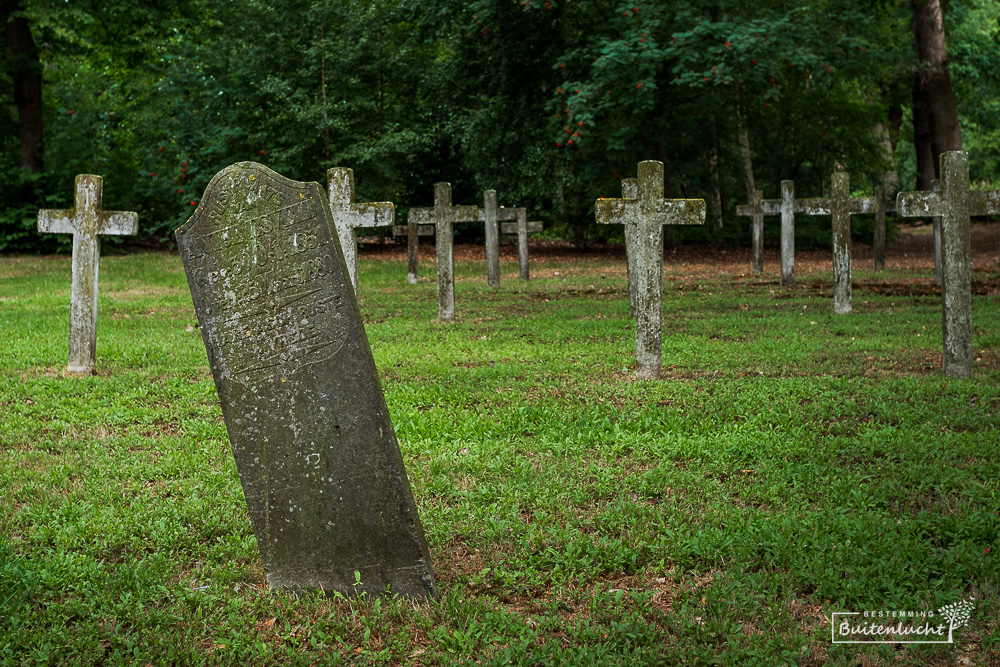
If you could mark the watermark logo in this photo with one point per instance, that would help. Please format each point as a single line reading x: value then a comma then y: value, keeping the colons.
x: 901, y: 627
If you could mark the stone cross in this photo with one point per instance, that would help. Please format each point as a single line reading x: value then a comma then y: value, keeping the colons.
x: 444, y: 216
x: 644, y: 217
x: 347, y: 215
x: 490, y: 214
x: 785, y: 207
x: 840, y: 206
x: 412, y: 231
x: 86, y: 221
x: 954, y: 203
x: 523, y: 227
x: 756, y: 214
x: 319, y: 463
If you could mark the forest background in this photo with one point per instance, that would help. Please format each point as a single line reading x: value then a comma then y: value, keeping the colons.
x: 550, y: 103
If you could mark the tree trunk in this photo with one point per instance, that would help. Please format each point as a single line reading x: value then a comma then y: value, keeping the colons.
x: 926, y: 170
x: 26, y: 72
x: 936, y: 95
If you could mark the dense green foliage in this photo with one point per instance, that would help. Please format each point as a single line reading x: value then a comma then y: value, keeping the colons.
x: 548, y: 102
x: 790, y: 463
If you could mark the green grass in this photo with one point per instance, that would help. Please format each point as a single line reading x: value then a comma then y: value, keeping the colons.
x: 789, y: 464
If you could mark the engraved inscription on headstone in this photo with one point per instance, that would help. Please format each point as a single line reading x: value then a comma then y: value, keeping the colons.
x: 86, y: 221
x: 318, y: 458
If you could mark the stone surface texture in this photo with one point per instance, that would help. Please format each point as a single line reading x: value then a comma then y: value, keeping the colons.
x: 317, y: 455
x: 756, y: 213
x: 347, y: 215
x: 630, y: 190
x: 489, y: 215
x: 644, y: 218
x: 787, y: 208
x: 954, y: 203
x: 86, y: 221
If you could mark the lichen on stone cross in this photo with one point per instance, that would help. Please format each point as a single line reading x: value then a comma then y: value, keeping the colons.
x: 347, y: 215
x: 644, y: 217
x: 86, y: 221
x: 444, y: 216
x: 954, y: 202
x: 840, y: 206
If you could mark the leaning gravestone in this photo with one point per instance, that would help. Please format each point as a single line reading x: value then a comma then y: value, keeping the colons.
x: 86, y: 221
x: 318, y: 459
x: 347, y: 215
x: 644, y: 217
x: 444, y: 216
x: 954, y: 203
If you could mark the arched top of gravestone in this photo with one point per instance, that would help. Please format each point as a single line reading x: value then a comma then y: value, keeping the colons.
x: 248, y: 186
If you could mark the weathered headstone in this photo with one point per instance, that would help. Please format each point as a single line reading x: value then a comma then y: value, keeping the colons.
x: 954, y: 203
x: 318, y: 459
x: 444, y: 216
x: 785, y: 207
x: 347, y: 215
x: 840, y: 206
x: 86, y: 221
x: 644, y: 217
x: 522, y: 227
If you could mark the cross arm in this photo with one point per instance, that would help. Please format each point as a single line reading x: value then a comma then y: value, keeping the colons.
x: 984, y: 202
x: 918, y: 204
x: 420, y: 216
x: 814, y: 206
x: 56, y: 221
x: 465, y: 213
x: 123, y: 223
x: 374, y: 214
x: 503, y: 213
x: 680, y: 211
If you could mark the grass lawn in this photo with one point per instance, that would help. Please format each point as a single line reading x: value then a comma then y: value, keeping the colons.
x: 789, y: 464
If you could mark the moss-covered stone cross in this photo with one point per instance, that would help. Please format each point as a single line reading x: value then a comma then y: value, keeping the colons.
x: 347, y: 216
x: 644, y: 217
x: 954, y: 203
x: 840, y: 206
x: 86, y: 221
